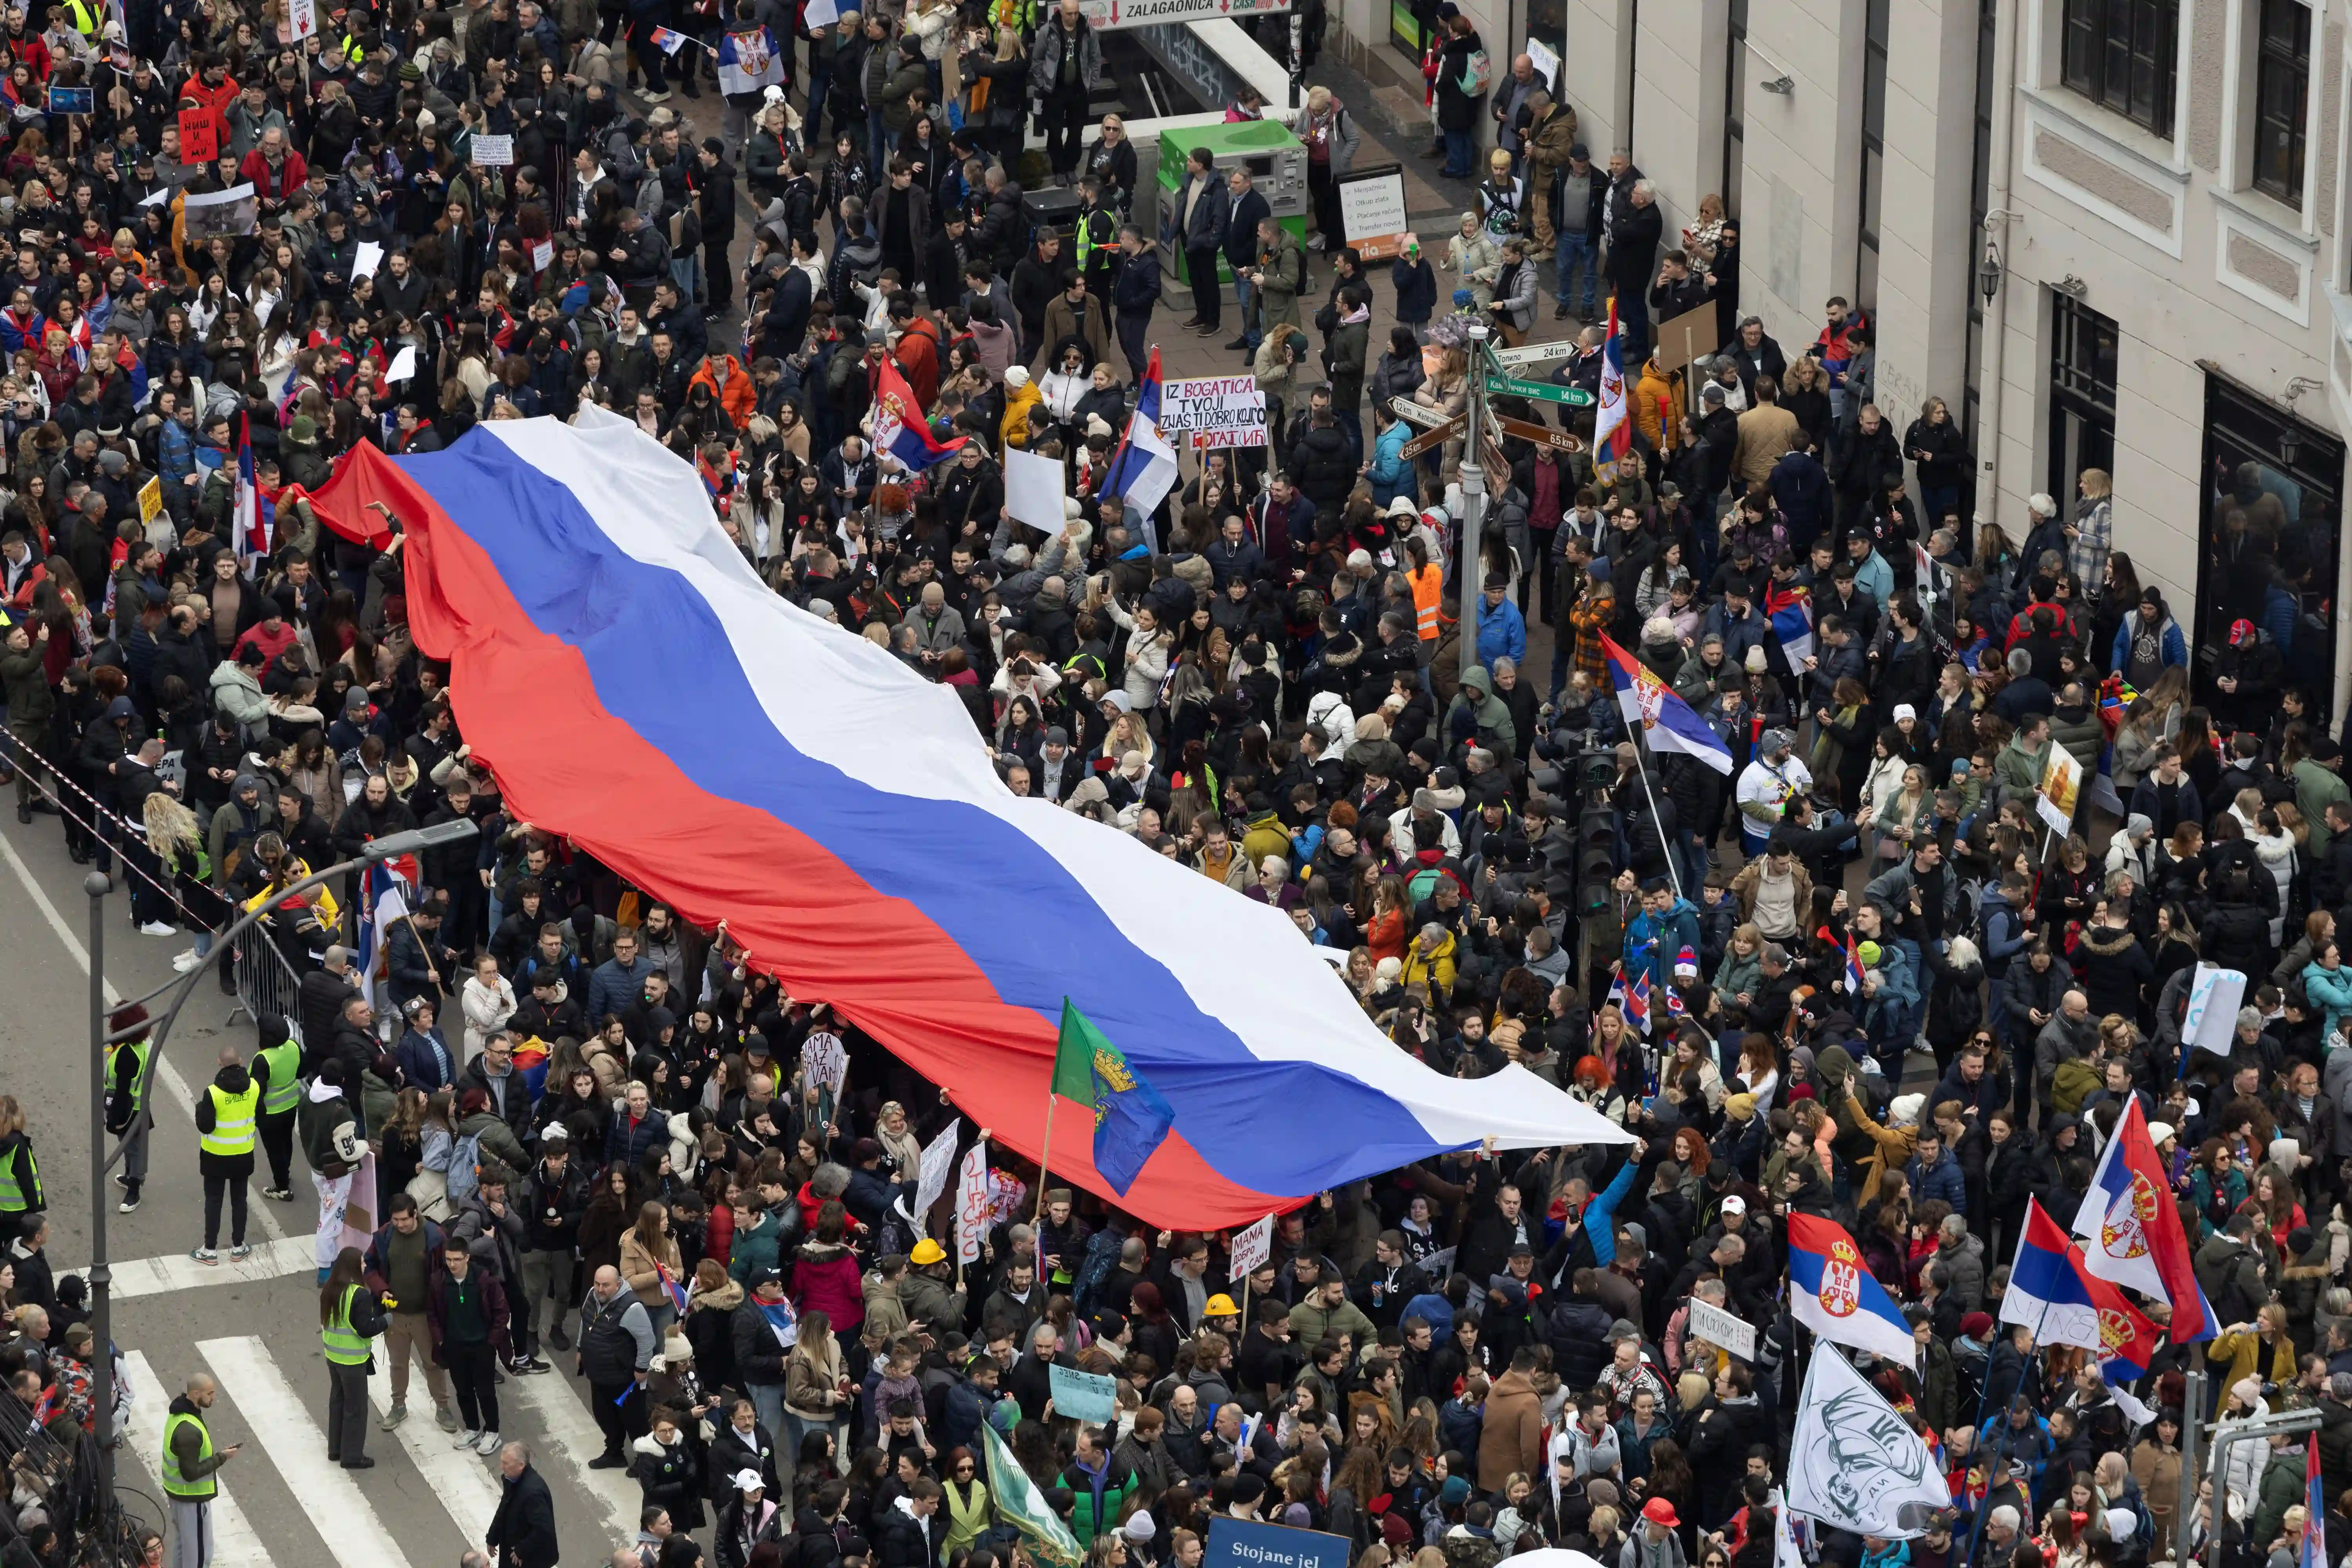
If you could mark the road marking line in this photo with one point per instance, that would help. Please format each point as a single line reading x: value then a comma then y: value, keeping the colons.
x: 178, y: 1271
x: 332, y: 1499
x: 563, y: 1414
x: 462, y: 1479
x: 175, y: 1085
x: 234, y: 1545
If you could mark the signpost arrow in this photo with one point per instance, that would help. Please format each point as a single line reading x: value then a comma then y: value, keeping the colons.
x: 1414, y: 413
x: 1541, y: 434
x: 1538, y: 391
x: 1435, y: 436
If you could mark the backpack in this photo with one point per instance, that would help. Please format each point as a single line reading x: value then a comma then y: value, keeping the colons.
x: 2073, y: 1083
x: 464, y: 1169
x: 1477, y: 73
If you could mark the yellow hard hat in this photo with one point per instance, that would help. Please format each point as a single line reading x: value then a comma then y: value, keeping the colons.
x: 1221, y: 1306
x: 926, y: 1251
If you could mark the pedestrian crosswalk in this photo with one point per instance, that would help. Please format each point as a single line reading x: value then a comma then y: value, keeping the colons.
x: 561, y: 1413
x: 377, y: 1518
x: 234, y: 1545
x: 346, y: 1521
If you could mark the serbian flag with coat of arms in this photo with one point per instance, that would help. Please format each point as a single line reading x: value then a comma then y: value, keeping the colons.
x: 1832, y: 1293
x: 1651, y: 708
x: 1612, y: 432
x: 2314, y: 1507
x: 2131, y: 1229
x: 898, y: 426
x: 2053, y: 1291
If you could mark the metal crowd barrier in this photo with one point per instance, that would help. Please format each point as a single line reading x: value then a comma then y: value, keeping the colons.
x: 265, y: 982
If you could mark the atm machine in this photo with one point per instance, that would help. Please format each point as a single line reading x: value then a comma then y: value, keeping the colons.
x: 1265, y: 149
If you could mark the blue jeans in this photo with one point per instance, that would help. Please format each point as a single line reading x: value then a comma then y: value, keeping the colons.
x: 1244, y: 291
x: 1575, y: 255
x: 878, y: 143
x: 1633, y: 321
x: 1352, y: 421
x: 1458, y: 153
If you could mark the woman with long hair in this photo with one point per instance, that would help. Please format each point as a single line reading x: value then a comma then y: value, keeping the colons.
x: 650, y: 1263
x: 349, y: 1318
x: 816, y: 1382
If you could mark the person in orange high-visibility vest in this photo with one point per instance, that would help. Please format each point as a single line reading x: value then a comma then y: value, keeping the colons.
x: 1428, y: 583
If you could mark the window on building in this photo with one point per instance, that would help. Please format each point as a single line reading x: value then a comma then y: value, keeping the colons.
x: 2082, y: 370
x: 1980, y: 172
x: 1735, y: 102
x: 2281, y: 81
x: 1873, y: 151
x: 2123, y: 56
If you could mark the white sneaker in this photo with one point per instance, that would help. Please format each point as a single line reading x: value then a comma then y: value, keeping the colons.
x: 467, y: 1439
x: 157, y: 927
x: 189, y: 960
x: 204, y: 1255
x: 488, y: 1445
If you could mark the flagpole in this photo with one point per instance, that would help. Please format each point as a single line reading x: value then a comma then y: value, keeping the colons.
x: 1993, y: 1478
x: 1044, y: 1152
x: 1649, y: 758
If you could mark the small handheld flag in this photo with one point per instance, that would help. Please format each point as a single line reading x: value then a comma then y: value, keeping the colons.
x: 1131, y: 1120
x: 898, y: 426
x: 1143, y: 469
x: 1664, y: 719
x: 1852, y: 967
x: 1613, y: 435
x: 668, y: 41
x: 1834, y: 1294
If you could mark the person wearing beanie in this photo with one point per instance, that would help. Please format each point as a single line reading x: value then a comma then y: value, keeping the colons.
x: 277, y: 1059
x: 128, y: 1087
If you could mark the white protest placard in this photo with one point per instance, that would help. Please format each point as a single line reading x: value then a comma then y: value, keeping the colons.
x: 1033, y: 489
x: 1546, y: 64
x: 939, y: 1162
x: 2062, y: 788
x: 402, y: 367
x: 1717, y: 1327
x: 824, y: 1061
x: 230, y: 212
x: 494, y: 151
x: 1083, y: 1395
x: 542, y: 256
x: 366, y: 259
x: 1252, y: 1245
x: 1214, y: 411
x: 2215, y: 994
x: 302, y: 18
x: 1371, y: 214
x: 820, y: 14
x: 973, y: 1220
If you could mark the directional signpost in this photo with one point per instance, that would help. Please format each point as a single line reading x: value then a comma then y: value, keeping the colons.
x: 1435, y: 436
x: 1541, y: 434
x: 1414, y: 413
x: 1537, y: 390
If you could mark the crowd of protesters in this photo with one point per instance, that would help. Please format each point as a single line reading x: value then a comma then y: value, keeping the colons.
x: 583, y: 1109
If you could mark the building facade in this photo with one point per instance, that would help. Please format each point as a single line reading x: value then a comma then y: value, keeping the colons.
x: 2114, y: 232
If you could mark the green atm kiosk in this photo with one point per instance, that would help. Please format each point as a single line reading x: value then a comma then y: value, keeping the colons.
x: 1265, y: 149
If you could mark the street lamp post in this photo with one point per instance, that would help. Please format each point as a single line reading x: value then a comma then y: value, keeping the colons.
x: 97, y: 885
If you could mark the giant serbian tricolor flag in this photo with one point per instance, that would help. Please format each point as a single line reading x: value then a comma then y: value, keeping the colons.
x: 2053, y: 1292
x: 1664, y: 719
x: 900, y: 428
x: 1613, y: 429
x: 1832, y: 1292
x: 1143, y: 469
x: 2131, y: 1229
x: 633, y: 686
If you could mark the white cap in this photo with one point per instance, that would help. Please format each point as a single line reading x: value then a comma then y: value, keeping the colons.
x: 1734, y: 1203
x: 1905, y: 710
x: 749, y: 1481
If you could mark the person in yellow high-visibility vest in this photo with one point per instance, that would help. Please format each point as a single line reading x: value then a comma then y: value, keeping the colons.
x: 20, y: 1173
x: 189, y: 1463
x: 128, y: 1086
x: 350, y: 1317
x: 227, y: 1114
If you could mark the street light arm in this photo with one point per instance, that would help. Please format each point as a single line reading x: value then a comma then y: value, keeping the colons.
x: 376, y: 851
